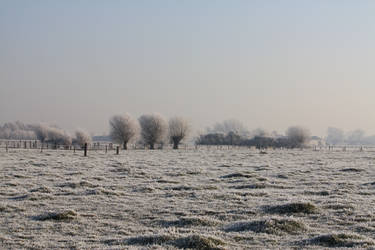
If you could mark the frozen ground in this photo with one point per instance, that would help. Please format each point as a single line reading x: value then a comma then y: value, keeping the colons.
x: 205, y: 199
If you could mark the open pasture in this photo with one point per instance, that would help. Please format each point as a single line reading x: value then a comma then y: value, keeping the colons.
x: 202, y: 199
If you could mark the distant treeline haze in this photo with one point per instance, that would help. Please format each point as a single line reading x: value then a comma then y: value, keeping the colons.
x: 153, y: 129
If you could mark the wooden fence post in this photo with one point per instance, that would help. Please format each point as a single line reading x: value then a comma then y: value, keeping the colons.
x: 106, y: 148
x: 117, y: 150
x: 85, y: 150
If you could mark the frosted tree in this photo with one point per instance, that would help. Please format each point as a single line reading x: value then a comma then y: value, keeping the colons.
x: 335, y: 136
x: 153, y: 129
x: 260, y: 132
x: 58, y: 136
x: 355, y: 137
x: 41, y: 132
x: 123, y: 128
x: 82, y: 137
x: 17, y: 131
x: 297, y: 136
x: 230, y: 125
x: 178, y: 130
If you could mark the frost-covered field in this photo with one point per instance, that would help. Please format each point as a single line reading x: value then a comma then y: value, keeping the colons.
x: 205, y: 199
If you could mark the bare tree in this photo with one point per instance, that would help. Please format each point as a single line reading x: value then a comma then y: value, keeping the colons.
x: 153, y: 129
x: 41, y: 132
x: 230, y: 125
x: 335, y: 136
x: 58, y: 136
x: 297, y: 136
x: 355, y: 137
x: 82, y: 138
x: 123, y: 128
x: 45, y: 133
x: 17, y: 131
x: 260, y: 132
x: 178, y: 130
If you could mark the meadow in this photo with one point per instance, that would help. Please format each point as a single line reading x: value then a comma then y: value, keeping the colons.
x: 201, y: 199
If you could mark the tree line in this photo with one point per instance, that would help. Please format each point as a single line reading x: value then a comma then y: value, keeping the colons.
x: 149, y: 129
x: 42, y: 132
x: 296, y: 137
x: 153, y: 129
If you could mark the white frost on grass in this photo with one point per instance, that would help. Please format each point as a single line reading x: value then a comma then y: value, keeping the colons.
x: 58, y: 199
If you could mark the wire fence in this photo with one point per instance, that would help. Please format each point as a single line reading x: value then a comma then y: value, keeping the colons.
x: 102, y: 146
x: 106, y: 147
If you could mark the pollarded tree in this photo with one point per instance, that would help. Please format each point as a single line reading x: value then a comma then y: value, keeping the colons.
x: 82, y: 138
x: 123, y: 128
x: 178, y: 130
x: 58, y: 136
x: 41, y: 132
x: 45, y: 133
x: 153, y: 129
x: 297, y: 136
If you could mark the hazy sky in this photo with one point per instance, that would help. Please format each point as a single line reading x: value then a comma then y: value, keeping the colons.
x: 269, y: 64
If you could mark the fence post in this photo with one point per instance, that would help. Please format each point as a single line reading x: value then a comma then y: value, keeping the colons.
x: 85, y: 150
x: 74, y: 149
x: 117, y: 150
x: 106, y: 148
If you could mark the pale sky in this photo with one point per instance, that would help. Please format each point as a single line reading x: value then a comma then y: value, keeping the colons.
x: 269, y: 64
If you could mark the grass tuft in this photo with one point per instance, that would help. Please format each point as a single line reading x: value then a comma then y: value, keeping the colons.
x: 150, y: 240
x: 292, y: 208
x: 339, y: 240
x: 321, y: 193
x: 191, y: 241
x: 60, y: 216
x: 190, y: 222
x: 251, y: 186
x: 269, y: 226
x: 339, y: 206
x: 355, y: 170
x: 237, y: 175
x: 199, y: 242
